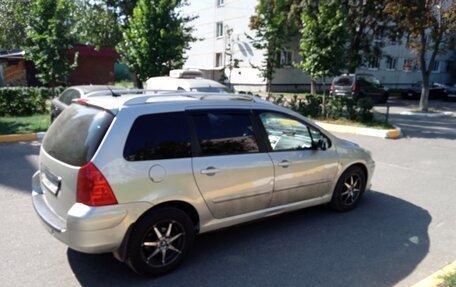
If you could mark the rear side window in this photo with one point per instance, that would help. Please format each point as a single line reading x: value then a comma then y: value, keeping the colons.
x: 68, y: 96
x: 343, y: 81
x: 75, y: 135
x: 221, y: 133
x: 158, y: 136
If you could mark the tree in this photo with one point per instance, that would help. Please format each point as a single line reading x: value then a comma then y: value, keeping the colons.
x: 155, y: 38
x: 50, y: 37
x: 12, y: 27
x: 322, y: 42
x: 273, y: 30
x: 429, y: 24
x: 98, y: 25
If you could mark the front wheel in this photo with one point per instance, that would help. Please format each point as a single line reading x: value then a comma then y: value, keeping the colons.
x: 160, y: 241
x: 349, y: 189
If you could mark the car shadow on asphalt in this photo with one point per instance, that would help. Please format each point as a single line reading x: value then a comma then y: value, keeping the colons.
x: 377, y: 244
x: 17, y: 164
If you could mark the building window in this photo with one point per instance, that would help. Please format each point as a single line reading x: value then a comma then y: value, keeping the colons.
x: 220, y: 3
x: 373, y: 62
x: 408, y: 65
x: 391, y: 63
x: 219, y: 32
x: 285, y: 58
x: 218, y: 60
x: 436, y: 67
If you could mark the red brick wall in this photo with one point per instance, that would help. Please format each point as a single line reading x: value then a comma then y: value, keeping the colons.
x: 93, y: 70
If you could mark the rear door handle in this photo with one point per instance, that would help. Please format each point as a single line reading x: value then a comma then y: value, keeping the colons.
x: 210, y: 170
x: 284, y: 163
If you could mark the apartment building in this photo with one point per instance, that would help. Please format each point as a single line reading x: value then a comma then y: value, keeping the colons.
x: 223, y: 29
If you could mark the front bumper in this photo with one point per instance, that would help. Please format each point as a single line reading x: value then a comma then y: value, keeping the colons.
x: 88, y: 229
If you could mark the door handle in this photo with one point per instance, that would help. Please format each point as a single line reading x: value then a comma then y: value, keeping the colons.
x: 210, y: 170
x: 284, y: 163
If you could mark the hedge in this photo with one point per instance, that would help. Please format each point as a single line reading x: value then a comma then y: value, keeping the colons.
x: 25, y: 101
x: 335, y: 107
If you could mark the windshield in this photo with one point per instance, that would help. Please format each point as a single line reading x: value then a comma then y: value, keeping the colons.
x: 75, y: 135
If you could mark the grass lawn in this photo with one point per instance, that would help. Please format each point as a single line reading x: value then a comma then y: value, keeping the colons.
x: 450, y: 280
x: 23, y: 125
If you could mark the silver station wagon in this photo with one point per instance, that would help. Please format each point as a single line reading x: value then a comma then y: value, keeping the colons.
x: 140, y: 176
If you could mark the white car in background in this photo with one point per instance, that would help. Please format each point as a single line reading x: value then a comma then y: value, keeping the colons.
x: 185, y: 80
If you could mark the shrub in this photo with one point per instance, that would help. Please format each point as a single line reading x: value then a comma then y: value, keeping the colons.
x: 25, y: 101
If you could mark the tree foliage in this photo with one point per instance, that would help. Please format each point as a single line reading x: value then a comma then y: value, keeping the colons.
x: 50, y: 36
x: 155, y: 38
x: 430, y: 24
x: 12, y: 27
x: 322, y: 39
x: 97, y: 24
x: 273, y: 30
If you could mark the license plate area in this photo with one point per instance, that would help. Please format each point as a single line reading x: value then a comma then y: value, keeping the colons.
x: 50, y: 181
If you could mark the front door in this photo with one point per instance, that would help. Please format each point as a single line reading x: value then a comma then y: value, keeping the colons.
x: 232, y: 174
x: 302, y: 171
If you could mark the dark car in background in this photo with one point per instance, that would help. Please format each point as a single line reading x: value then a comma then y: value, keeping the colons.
x: 357, y: 86
x: 436, y: 91
x: 61, y: 102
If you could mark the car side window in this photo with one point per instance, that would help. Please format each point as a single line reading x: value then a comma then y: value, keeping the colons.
x: 67, y: 96
x: 158, y: 136
x: 222, y: 133
x: 286, y: 133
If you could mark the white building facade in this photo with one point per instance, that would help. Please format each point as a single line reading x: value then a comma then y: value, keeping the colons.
x: 222, y: 27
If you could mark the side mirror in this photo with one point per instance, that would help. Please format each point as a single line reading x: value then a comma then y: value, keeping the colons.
x: 321, y: 144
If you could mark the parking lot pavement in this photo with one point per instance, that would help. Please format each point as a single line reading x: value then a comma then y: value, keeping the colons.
x: 402, y: 231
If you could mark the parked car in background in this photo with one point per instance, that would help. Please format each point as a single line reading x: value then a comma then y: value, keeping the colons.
x: 185, y: 80
x: 61, y: 102
x: 450, y: 92
x: 357, y: 86
x: 144, y: 174
x: 436, y: 91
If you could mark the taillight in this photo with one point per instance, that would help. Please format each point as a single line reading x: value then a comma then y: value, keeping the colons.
x: 93, y: 189
x: 331, y: 88
x: 353, y: 87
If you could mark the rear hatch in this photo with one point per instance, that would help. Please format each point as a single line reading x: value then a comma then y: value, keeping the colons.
x: 342, y: 86
x: 69, y: 144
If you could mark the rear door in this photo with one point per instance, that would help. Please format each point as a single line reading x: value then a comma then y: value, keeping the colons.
x: 301, y: 170
x: 233, y: 173
x: 70, y: 143
x: 343, y: 86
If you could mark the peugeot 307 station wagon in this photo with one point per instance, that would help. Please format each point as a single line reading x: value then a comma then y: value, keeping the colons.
x: 140, y: 176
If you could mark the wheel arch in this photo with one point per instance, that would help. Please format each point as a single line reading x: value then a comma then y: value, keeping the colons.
x: 122, y: 253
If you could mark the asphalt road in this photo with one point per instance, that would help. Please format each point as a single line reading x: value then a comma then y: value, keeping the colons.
x: 403, y: 231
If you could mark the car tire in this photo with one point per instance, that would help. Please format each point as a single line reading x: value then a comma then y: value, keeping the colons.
x: 160, y: 241
x: 384, y: 98
x: 349, y: 189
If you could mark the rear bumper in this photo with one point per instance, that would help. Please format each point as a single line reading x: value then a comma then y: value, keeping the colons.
x: 88, y: 229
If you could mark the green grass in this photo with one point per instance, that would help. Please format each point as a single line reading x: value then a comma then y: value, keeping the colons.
x: 23, y: 125
x: 125, y: 84
x: 449, y: 280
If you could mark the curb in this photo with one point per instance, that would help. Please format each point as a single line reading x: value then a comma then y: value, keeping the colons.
x: 386, y: 134
x: 427, y: 115
x: 436, y: 279
x: 21, y: 137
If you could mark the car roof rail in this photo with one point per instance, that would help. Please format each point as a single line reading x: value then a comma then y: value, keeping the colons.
x: 150, y: 98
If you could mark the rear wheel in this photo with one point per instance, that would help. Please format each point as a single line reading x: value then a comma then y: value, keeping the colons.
x: 160, y: 241
x: 349, y: 189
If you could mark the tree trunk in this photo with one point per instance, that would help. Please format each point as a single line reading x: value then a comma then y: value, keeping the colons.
x: 324, y: 98
x: 425, y: 93
x: 313, y: 86
x: 138, y: 83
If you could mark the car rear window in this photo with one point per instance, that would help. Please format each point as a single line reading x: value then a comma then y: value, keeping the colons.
x: 343, y: 81
x: 75, y: 135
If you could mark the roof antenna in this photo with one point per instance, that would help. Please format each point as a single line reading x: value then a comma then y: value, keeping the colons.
x: 114, y: 94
